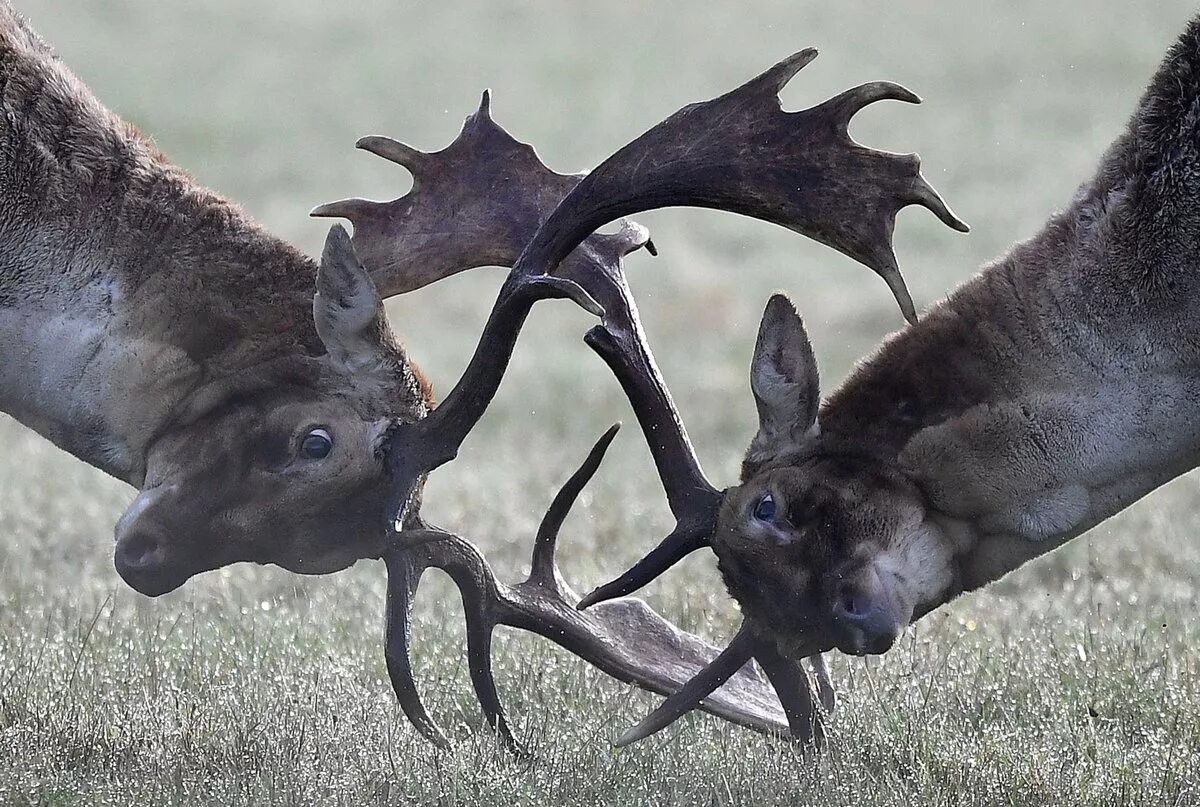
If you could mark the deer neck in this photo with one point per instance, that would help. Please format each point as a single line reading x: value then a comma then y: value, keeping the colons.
x: 123, y: 285
x: 1045, y: 395
x: 1059, y: 385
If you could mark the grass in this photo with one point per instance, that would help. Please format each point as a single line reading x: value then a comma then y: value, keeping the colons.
x: 1073, y: 681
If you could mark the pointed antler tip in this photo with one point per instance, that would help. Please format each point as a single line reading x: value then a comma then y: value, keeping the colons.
x: 692, y: 694
x: 905, y: 301
x: 902, y: 93
x: 777, y: 77
x: 799, y: 60
x: 672, y: 549
x: 925, y: 195
x: 606, y: 439
x: 630, y: 736
x: 343, y: 209
x: 589, y: 600
x: 481, y: 118
x: 391, y: 150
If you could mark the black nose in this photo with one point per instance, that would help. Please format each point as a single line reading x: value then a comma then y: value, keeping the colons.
x: 140, y: 553
x: 868, y: 621
x: 141, y: 560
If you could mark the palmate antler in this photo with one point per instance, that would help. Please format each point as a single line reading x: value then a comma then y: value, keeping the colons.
x: 505, y: 193
x: 740, y: 152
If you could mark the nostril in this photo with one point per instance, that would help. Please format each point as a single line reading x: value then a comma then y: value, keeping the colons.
x: 851, y: 603
x: 140, y: 551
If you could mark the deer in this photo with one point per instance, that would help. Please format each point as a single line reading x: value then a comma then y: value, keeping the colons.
x: 152, y: 329
x: 260, y: 402
x: 1047, y: 393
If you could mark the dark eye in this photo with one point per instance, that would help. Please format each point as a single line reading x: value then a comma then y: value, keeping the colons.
x: 765, y: 509
x: 316, y: 445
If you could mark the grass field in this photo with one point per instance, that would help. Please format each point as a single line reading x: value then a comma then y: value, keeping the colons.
x: 1073, y: 681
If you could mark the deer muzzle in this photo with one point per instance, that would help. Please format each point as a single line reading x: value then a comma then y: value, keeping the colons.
x: 142, y: 556
x: 867, y: 617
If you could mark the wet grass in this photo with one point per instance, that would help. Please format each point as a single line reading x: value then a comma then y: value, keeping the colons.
x: 1074, y: 681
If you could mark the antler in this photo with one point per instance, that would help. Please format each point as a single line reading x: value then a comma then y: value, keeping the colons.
x: 624, y: 638
x: 476, y: 202
x: 740, y: 152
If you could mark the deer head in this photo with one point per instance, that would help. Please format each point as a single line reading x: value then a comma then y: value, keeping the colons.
x: 153, y: 329
x: 821, y: 539
x: 281, y: 462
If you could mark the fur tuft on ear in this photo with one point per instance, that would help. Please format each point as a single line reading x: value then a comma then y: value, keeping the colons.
x: 783, y: 378
x: 347, y: 309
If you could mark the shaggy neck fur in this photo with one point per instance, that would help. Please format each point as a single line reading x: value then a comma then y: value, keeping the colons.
x: 123, y: 285
x: 1058, y: 385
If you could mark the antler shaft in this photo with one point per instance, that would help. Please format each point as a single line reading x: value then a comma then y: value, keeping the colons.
x: 624, y: 638
x: 420, y: 447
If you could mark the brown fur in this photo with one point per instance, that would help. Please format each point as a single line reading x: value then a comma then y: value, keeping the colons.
x: 151, y: 328
x: 1044, y: 395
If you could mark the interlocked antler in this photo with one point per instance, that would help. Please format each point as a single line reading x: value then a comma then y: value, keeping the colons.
x: 447, y: 214
x: 624, y: 638
x: 740, y: 152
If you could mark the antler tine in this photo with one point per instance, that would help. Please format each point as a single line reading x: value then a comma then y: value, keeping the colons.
x: 543, y: 570
x: 395, y: 151
x: 412, y: 552
x: 846, y: 105
x: 741, y: 152
x: 692, y: 498
x: 787, y: 677
x: 792, y: 685
x: 404, y: 573
x: 732, y: 658
x: 625, y: 638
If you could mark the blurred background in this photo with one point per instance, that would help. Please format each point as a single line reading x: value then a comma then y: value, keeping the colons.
x: 1073, y: 679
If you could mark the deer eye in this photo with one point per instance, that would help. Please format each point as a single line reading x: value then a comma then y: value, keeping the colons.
x: 765, y: 509
x: 316, y: 445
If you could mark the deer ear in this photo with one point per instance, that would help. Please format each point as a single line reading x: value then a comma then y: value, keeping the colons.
x: 347, y: 309
x: 783, y: 377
